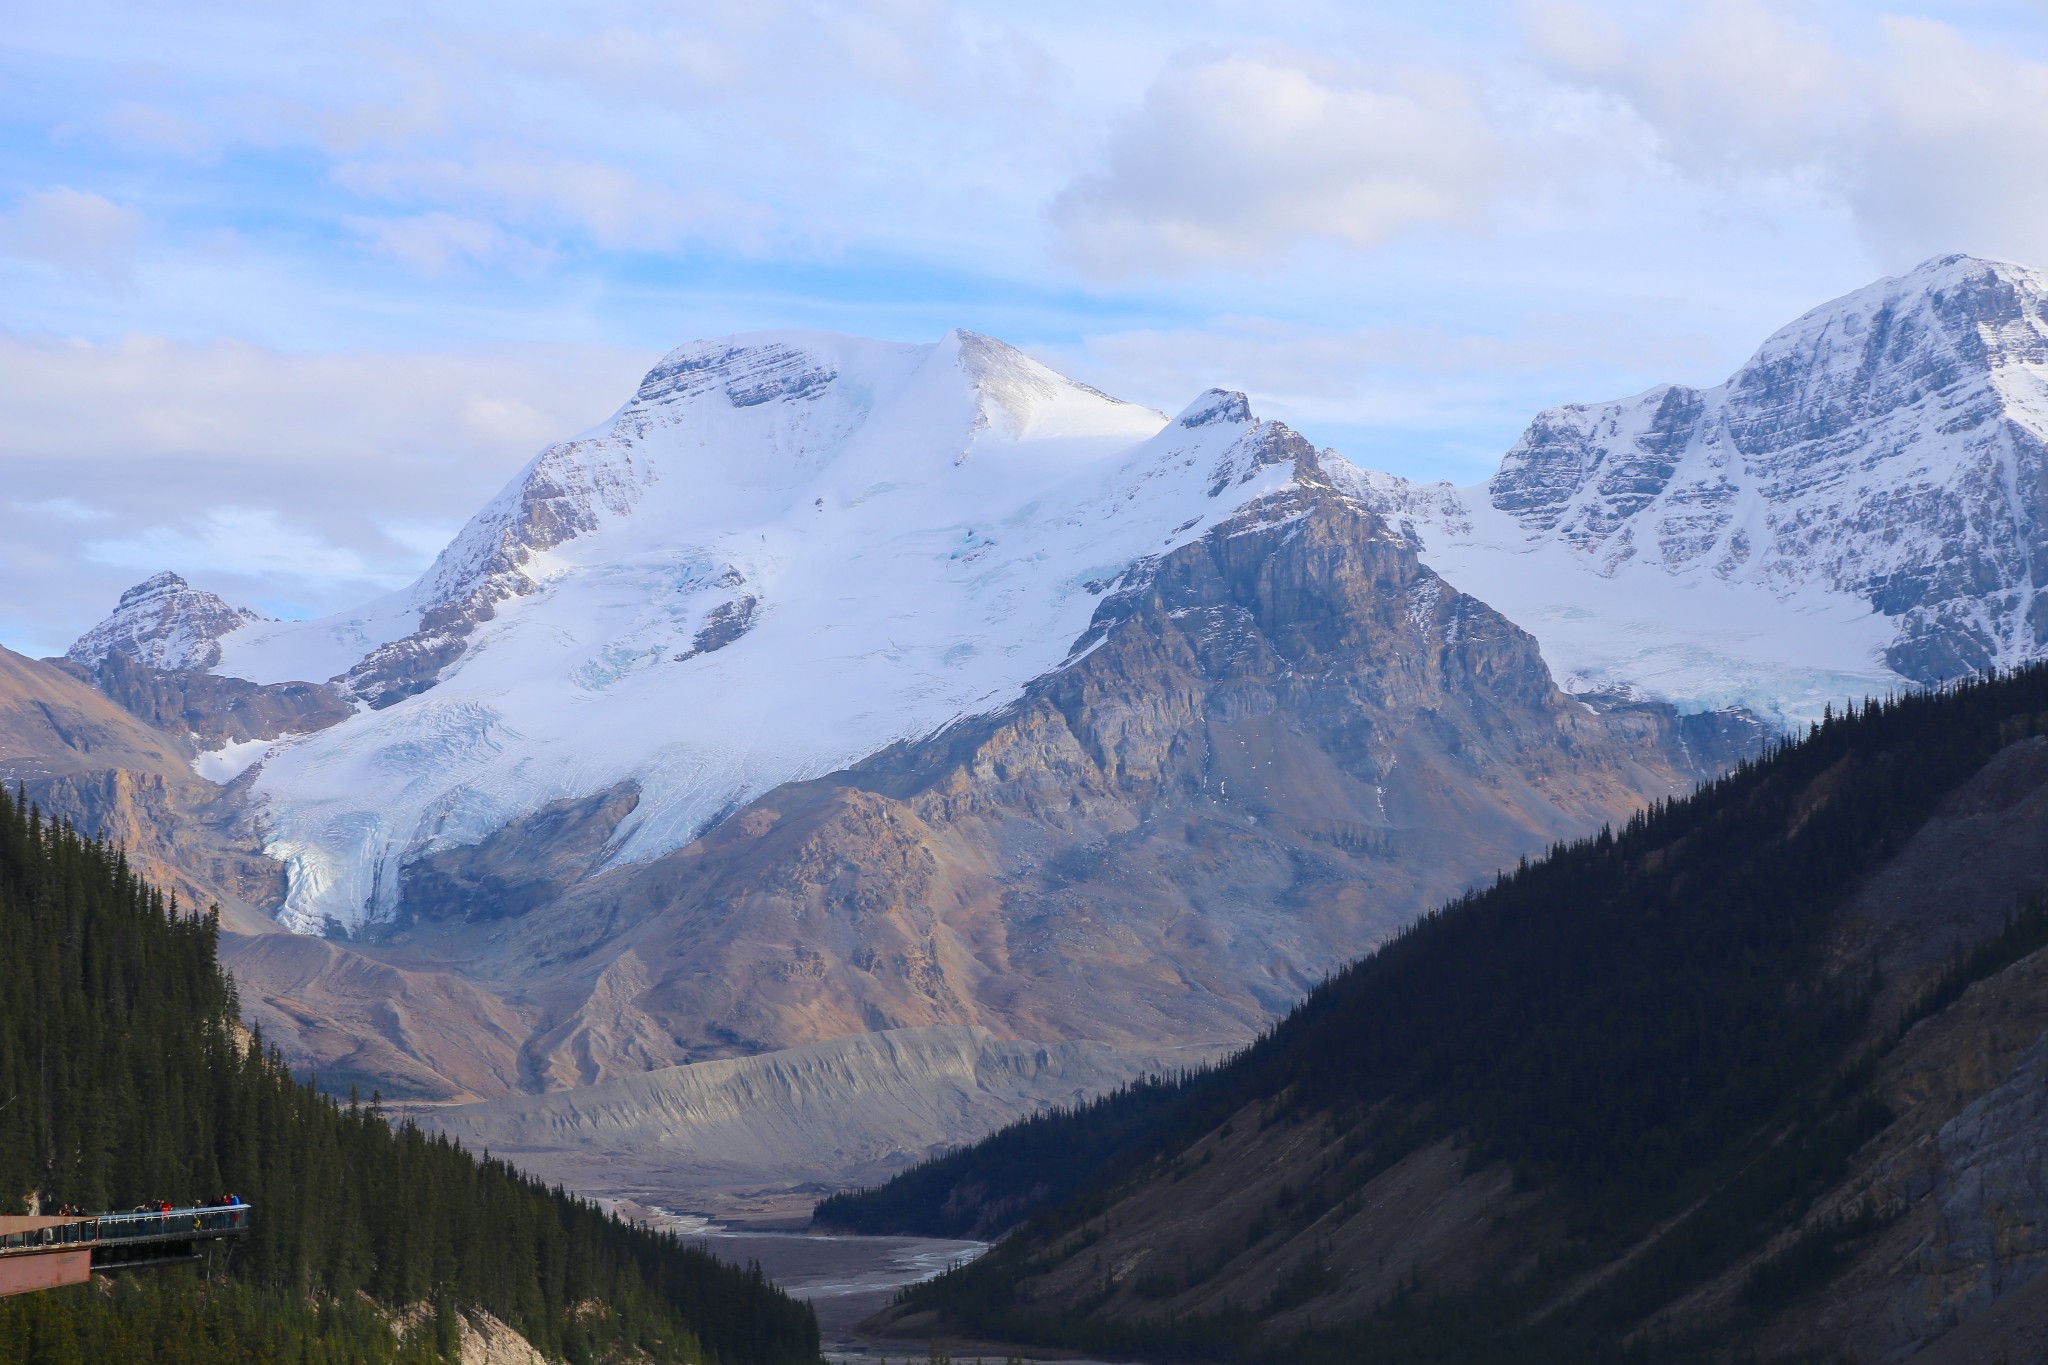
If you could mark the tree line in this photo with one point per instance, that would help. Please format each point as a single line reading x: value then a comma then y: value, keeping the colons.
x: 125, y: 1075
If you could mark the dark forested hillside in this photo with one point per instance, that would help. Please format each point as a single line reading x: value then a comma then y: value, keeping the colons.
x: 1641, y: 1083
x: 124, y: 1076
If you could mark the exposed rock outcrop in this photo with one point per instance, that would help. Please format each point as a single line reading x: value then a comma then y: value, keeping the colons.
x: 153, y: 654
x: 1888, y: 445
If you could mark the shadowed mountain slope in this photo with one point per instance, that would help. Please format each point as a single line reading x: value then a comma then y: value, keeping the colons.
x: 1757, y: 1072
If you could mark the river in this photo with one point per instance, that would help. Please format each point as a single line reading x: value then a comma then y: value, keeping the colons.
x: 846, y: 1279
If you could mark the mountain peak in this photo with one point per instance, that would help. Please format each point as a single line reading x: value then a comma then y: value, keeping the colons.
x: 1216, y: 405
x: 164, y: 623
x: 1019, y: 396
x: 754, y: 368
x: 152, y: 586
x: 1869, y: 480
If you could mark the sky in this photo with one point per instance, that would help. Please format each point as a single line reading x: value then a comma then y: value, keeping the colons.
x: 288, y: 289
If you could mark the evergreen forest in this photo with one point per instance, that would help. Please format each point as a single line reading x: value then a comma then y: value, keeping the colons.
x: 125, y: 1075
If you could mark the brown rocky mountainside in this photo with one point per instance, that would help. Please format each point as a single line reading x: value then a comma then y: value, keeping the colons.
x: 1879, y: 1191
x: 1286, y: 742
x: 80, y: 757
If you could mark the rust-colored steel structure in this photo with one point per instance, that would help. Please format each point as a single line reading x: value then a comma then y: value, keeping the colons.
x: 44, y: 1253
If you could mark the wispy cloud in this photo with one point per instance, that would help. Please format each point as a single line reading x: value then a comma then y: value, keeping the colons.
x: 73, y: 230
x: 241, y: 542
x: 1232, y: 160
x: 439, y: 243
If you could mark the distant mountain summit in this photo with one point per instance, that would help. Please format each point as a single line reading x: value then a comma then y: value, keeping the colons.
x: 162, y: 623
x: 1859, y: 507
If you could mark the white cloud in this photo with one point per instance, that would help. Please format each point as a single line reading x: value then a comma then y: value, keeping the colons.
x: 63, y: 509
x: 310, y: 478
x: 1956, y: 156
x: 74, y: 230
x: 1931, y: 141
x: 152, y: 128
x: 440, y: 243
x: 241, y: 542
x: 1232, y: 160
x: 1729, y: 87
x: 252, y: 408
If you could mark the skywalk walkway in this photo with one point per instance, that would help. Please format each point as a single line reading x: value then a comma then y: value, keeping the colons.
x: 43, y: 1253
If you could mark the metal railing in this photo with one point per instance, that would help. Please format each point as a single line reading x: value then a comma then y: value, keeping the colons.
x: 124, y: 1229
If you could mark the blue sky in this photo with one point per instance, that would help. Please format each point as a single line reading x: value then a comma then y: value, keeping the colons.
x: 287, y: 289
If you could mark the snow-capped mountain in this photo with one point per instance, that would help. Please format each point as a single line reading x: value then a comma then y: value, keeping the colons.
x: 786, y: 552
x: 163, y: 623
x: 1863, y: 506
